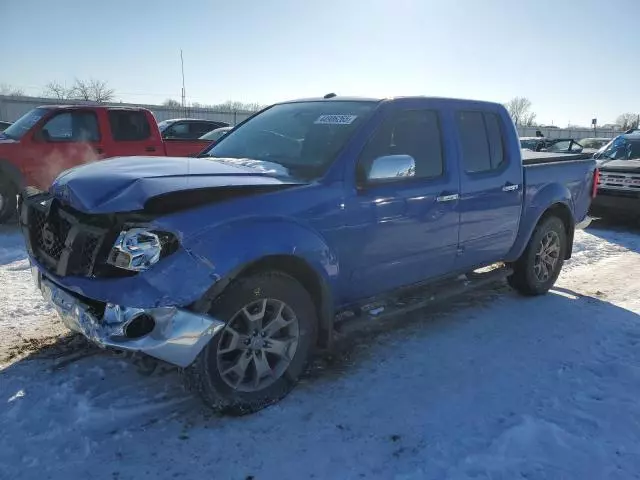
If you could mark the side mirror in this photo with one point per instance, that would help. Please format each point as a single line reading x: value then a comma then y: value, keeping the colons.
x: 392, y: 167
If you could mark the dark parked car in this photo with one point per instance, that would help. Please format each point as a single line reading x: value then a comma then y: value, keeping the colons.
x: 619, y: 180
x: 187, y: 128
x: 4, y: 125
x: 563, y: 145
x: 535, y: 144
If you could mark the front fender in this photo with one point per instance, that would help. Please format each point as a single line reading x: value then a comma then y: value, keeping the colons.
x: 537, y: 202
x: 230, y: 247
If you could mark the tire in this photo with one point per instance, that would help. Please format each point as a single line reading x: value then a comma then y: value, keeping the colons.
x: 8, y: 200
x: 528, y: 271
x: 217, y: 373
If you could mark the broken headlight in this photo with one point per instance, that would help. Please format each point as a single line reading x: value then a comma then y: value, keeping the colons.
x: 137, y: 249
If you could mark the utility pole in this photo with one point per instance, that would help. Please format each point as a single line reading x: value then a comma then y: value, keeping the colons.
x: 184, y: 94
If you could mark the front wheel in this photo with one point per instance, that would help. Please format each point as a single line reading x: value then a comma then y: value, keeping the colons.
x: 256, y: 359
x: 535, y: 272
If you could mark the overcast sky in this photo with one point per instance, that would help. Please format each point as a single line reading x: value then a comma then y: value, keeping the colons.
x: 573, y: 59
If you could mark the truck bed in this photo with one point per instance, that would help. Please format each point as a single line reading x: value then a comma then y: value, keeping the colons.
x: 533, y: 158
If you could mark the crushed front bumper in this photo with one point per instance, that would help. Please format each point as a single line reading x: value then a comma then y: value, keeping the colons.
x: 175, y: 335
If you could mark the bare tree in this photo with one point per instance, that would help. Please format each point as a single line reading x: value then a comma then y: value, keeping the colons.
x: 8, y: 90
x: 235, y: 106
x: 170, y: 102
x: 627, y: 121
x: 520, y: 110
x: 93, y: 90
x: 57, y: 90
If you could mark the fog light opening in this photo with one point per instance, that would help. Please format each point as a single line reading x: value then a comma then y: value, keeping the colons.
x: 139, y: 326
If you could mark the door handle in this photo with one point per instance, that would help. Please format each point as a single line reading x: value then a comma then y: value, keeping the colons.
x: 510, y: 188
x: 447, y: 198
x: 99, y: 150
x: 150, y: 149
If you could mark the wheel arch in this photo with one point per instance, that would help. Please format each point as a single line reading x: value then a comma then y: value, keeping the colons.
x: 554, y: 199
x: 562, y: 211
x: 12, y: 172
x: 296, y: 267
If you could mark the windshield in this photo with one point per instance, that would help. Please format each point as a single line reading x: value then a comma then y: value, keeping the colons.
x: 621, y: 149
x: 303, y: 137
x: 24, y: 123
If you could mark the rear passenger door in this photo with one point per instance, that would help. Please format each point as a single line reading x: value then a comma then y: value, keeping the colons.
x: 407, y: 228
x: 490, y: 188
x: 131, y: 134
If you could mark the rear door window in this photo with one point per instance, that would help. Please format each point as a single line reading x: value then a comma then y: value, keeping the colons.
x: 494, y: 135
x: 129, y: 126
x: 481, y: 141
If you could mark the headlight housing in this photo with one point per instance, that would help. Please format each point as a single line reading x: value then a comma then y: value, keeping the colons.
x: 137, y: 249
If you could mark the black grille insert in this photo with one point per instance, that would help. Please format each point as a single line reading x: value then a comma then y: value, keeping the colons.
x: 60, y: 241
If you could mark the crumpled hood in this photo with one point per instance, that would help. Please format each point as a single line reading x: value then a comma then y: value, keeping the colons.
x: 124, y: 184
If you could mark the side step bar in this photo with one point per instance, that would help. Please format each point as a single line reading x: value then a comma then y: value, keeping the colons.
x: 417, y: 298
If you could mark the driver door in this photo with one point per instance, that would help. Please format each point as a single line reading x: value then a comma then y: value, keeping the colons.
x: 407, y: 226
x: 67, y: 139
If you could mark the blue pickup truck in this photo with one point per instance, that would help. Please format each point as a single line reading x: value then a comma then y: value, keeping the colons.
x: 237, y: 264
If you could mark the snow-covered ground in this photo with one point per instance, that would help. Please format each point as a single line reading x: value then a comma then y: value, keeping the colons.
x: 490, y: 386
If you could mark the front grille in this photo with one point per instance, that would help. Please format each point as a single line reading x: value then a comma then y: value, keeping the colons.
x: 58, y: 238
x: 49, y: 234
x: 87, y: 255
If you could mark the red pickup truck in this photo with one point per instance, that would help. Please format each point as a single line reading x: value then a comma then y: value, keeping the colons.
x: 48, y: 140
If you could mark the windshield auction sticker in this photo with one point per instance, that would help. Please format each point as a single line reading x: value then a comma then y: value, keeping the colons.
x: 335, y: 119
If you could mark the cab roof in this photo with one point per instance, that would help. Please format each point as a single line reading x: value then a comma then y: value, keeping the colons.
x: 387, y: 99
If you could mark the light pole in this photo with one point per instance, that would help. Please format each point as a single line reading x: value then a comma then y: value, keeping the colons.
x: 184, y: 95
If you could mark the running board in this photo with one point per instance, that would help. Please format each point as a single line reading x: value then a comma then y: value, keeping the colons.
x: 417, y: 298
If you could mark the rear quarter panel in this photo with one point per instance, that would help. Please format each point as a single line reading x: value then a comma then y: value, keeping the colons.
x: 568, y: 183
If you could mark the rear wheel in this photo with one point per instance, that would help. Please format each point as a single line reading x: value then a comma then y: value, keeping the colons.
x: 8, y: 200
x: 257, y: 358
x: 538, y: 268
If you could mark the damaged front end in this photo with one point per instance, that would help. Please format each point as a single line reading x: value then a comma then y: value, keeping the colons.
x: 96, y: 272
x: 110, y: 248
x: 167, y: 333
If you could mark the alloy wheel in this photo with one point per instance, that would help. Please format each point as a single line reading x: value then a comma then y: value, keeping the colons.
x: 257, y: 345
x: 547, y: 256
